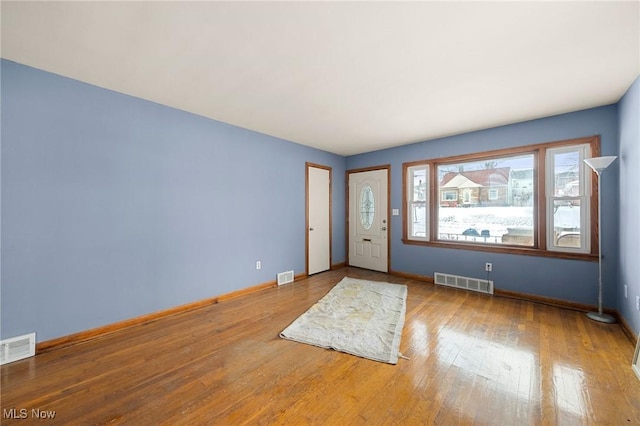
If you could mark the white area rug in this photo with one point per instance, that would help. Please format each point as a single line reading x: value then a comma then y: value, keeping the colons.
x: 358, y: 317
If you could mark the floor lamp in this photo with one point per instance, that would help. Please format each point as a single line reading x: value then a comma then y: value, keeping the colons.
x: 599, y: 164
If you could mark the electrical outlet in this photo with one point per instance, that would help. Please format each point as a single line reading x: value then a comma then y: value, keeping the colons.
x: 258, y: 265
x: 488, y: 267
x: 638, y: 303
x: 626, y: 291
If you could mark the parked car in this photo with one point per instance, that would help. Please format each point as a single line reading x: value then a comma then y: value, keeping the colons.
x: 471, y: 232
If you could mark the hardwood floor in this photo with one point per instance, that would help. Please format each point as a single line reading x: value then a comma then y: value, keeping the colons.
x: 474, y: 359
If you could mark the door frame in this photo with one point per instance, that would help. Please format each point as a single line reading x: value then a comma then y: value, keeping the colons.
x: 347, y: 231
x: 309, y: 165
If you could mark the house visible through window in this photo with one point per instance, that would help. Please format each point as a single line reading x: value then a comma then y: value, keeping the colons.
x: 503, y: 198
x: 490, y: 212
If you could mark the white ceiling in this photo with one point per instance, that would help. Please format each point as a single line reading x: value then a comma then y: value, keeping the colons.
x: 345, y: 77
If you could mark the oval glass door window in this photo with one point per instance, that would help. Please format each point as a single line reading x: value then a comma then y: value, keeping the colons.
x: 367, y: 207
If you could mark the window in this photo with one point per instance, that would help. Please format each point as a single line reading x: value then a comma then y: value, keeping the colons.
x: 566, y: 196
x: 532, y: 199
x: 367, y: 207
x: 417, y: 214
x: 491, y: 213
x: 449, y: 196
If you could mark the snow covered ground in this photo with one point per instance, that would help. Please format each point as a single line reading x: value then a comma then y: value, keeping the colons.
x: 455, y: 220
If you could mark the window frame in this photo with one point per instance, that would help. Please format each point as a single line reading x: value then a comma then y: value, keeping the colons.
x: 583, y: 197
x: 541, y: 244
x: 408, y: 191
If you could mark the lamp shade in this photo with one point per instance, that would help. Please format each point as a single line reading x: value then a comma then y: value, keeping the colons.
x: 598, y: 164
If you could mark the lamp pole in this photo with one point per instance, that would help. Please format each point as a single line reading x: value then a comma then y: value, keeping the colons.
x: 598, y: 164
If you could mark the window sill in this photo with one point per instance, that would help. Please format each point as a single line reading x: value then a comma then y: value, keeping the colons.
x: 525, y: 251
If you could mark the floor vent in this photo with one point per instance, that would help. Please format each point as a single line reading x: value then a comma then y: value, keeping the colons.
x: 285, y: 277
x: 17, y: 348
x: 482, y: 286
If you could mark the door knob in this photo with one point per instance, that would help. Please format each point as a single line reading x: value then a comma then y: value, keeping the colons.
x: 384, y: 228
x: 310, y: 229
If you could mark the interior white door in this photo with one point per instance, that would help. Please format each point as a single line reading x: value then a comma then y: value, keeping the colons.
x: 319, y: 219
x: 368, y: 221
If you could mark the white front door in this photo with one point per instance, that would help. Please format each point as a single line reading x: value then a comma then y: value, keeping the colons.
x: 368, y: 221
x: 319, y: 219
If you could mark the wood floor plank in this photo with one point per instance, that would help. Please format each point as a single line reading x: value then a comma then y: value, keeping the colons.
x: 473, y: 359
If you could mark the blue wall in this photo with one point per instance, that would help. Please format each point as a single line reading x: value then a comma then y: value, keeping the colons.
x: 115, y: 207
x: 629, y: 223
x: 570, y: 280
